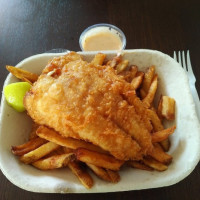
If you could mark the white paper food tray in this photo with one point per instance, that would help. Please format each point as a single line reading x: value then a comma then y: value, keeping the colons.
x: 185, y: 142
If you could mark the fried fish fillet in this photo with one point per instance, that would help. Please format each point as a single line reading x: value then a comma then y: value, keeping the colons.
x: 88, y: 102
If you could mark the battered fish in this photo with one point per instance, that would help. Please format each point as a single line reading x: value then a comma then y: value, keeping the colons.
x: 92, y: 103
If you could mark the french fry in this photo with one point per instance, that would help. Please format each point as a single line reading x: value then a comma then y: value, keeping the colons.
x: 22, y: 74
x: 165, y: 144
x: 154, y: 164
x: 38, y: 153
x: 67, y: 150
x: 133, y: 71
x: 147, y: 101
x: 163, y: 134
x: 113, y: 63
x: 81, y: 173
x: 148, y: 77
x: 155, y: 120
x: 142, y: 94
x: 54, y: 162
x: 60, y: 150
x: 168, y: 108
x: 122, y: 66
x: 53, y: 136
x: 28, y: 146
x: 98, y: 59
x: 157, y: 126
x: 159, y: 109
x: 114, y: 175
x: 98, y: 159
x: 139, y: 165
x: 159, y: 155
x: 129, y: 74
x: 136, y: 82
x: 100, y: 172
x: 26, y: 80
x: 105, y: 174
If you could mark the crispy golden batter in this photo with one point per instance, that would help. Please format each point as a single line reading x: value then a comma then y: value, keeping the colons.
x: 81, y: 100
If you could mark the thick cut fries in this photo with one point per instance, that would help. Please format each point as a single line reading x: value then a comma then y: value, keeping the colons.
x: 100, y: 172
x: 67, y: 150
x: 162, y: 135
x: 81, y: 173
x: 154, y: 164
x: 114, y: 175
x: 98, y: 59
x: 139, y: 165
x: 133, y: 71
x: 59, y: 151
x: 53, y: 136
x: 168, y: 108
x: 159, y: 109
x: 22, y: 74
x: 28, y: 146
x: 98, y: 159
x: 38, y: 153
x: 148, y: 77
x: 122, y: 66
x: 105, y: 174
x: 130, y: 73
x: 54, y: 162
x: 165, y: 144
x: 157, y: 125
x: 159, y: 155
x: 155, y: 120
x: 136, y: 82
x: 151, y: 93
x: 113, y: 63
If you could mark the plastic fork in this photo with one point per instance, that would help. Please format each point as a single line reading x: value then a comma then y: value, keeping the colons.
x: 186, y: 64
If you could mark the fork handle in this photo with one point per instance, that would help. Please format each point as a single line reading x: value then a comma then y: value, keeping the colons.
x: 196, y: 99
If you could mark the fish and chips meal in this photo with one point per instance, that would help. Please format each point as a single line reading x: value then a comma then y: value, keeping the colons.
x: 95, y: 117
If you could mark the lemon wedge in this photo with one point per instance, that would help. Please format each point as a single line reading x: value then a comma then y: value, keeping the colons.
x: 14, y: 94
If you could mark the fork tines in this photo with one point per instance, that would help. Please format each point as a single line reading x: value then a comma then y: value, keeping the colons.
x: 181, y: 59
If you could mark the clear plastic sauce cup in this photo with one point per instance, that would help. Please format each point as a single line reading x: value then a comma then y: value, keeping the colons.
x: 102, y: 37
